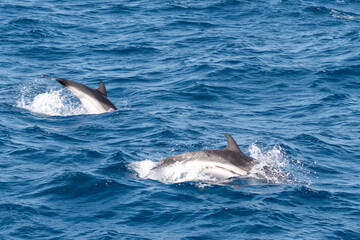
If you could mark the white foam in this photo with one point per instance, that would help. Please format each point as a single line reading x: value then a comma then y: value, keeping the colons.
x: 271, y: 165
x: 51, y: 102
x: 340, y: 15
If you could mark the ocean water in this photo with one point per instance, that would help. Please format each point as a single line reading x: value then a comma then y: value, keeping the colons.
x: 282, y: 77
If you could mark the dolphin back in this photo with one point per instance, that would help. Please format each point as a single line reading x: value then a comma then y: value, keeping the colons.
x: 229, y: 156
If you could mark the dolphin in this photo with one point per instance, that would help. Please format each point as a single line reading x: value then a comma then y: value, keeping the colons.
x: 94, y: 100
x: 223, y: 163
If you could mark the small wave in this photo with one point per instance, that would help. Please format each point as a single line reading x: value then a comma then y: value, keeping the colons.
x: 127, y: 50
x: 40, y: 33
x: 52, y: 102
x: 333, y: 12
x: 341, y: 15
x: 118, y: 8
x: 271, y: 167
x: 192, y: 23
x: 24, y: 20
x: 335, y: 97
x: 72, y: 185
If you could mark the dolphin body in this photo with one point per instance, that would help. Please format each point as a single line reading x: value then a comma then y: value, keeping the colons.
x: 94, y: 100
x: 223, y: 163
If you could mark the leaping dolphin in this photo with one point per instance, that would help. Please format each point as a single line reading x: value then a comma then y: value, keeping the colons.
x: 223, y: 163
x: 94, y: 100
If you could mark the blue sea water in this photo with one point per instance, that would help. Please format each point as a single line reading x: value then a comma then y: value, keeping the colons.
x: 282, y: 77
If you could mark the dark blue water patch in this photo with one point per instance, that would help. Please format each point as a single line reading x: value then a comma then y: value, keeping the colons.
x: 76, y: 185
x: 117, y: 169
x: 136, y: 50
x: 26, y: 214
x: 24, y: 21
x: 28, y: 11
x: 36, y: 52
x: 335, y: 98
x: 41, y: 33
x: 343, y: 72
x: 185, y: 24
x: 317, y: 144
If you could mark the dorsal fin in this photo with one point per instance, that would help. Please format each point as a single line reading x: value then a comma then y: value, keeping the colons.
x: 232, y: 145
x: 101, y: 89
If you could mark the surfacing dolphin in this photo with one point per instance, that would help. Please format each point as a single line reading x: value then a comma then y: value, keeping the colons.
x: 94, y: 100
x: 223, y: 163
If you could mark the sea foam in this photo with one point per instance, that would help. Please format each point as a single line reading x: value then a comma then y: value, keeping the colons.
x: 51, y: 102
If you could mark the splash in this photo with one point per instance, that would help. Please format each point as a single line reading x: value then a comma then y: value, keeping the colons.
x: 51, y: 102
x: 272, y: 166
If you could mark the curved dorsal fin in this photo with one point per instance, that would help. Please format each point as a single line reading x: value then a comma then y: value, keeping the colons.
x: 101, y: 89
x: 232, y: 145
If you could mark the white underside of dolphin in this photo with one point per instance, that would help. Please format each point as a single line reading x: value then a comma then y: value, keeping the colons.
x: 215, y: 169
x: 214, y: 165
x: 208, y: 166
x: 91, y: 104
x: 189, y: 171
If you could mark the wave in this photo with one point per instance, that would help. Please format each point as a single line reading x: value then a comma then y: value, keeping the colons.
x: 337, y: 14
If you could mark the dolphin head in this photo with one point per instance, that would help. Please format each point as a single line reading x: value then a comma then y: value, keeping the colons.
x: 63, y: 81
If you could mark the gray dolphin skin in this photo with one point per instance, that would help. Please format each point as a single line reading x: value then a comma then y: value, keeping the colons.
x: 227, y: 162
x: 94, y: 100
